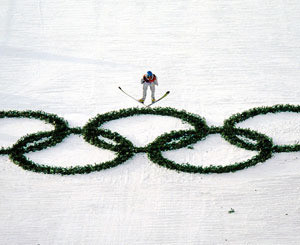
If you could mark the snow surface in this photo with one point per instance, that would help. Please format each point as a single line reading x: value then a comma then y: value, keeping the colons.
x: 216, y: 57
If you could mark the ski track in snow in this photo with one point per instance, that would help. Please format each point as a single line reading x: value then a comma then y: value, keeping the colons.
x: 217, y: 59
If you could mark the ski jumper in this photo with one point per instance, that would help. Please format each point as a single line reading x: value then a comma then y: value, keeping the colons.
x: 149, y: 82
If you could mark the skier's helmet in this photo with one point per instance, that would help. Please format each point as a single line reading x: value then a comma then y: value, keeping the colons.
x: 149, y: 74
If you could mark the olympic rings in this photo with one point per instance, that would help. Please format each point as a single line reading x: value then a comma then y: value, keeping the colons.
x: 124, y: 149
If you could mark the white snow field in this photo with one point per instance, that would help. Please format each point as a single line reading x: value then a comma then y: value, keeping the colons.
x: 217, y: 58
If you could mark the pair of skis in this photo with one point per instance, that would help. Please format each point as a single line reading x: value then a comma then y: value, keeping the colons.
x: 142, y: 102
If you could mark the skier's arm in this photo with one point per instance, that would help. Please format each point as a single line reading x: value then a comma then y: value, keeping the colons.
x: 143, y: 80
x: 155, y: 82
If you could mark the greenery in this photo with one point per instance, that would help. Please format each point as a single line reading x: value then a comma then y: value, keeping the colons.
x: 240, y: 117
x: 106, y: 139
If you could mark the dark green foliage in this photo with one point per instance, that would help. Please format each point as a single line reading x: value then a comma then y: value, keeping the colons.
x: 243, y: 138
x: 240, y: 117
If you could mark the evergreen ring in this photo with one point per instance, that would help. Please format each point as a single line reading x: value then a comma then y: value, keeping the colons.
x: 231, y: 122
x: 264, y: 144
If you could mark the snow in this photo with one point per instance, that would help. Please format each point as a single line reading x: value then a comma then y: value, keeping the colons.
x: 216, y: 57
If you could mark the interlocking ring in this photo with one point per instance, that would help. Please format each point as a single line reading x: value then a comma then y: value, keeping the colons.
x: 240, y: 117
x: 188, y: 136
x: 264, y: 147
x: 57, y: 135
x: 124, y: 149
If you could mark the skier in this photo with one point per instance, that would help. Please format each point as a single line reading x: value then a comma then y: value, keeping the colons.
x: 148, y: 80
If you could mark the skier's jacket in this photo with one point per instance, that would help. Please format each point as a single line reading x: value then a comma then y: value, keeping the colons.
x: 153, y: 79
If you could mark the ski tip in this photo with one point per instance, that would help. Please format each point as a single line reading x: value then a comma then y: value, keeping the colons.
x: 119, y: 87
x: 168, y: 92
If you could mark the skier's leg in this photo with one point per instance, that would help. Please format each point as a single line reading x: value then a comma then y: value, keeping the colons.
x: 145, y: 88
x: 152, y: 88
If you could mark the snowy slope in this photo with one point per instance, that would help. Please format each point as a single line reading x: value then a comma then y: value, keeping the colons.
x: 217, y: 58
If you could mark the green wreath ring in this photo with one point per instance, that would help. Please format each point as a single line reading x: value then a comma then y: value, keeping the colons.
x: 231, y: 122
